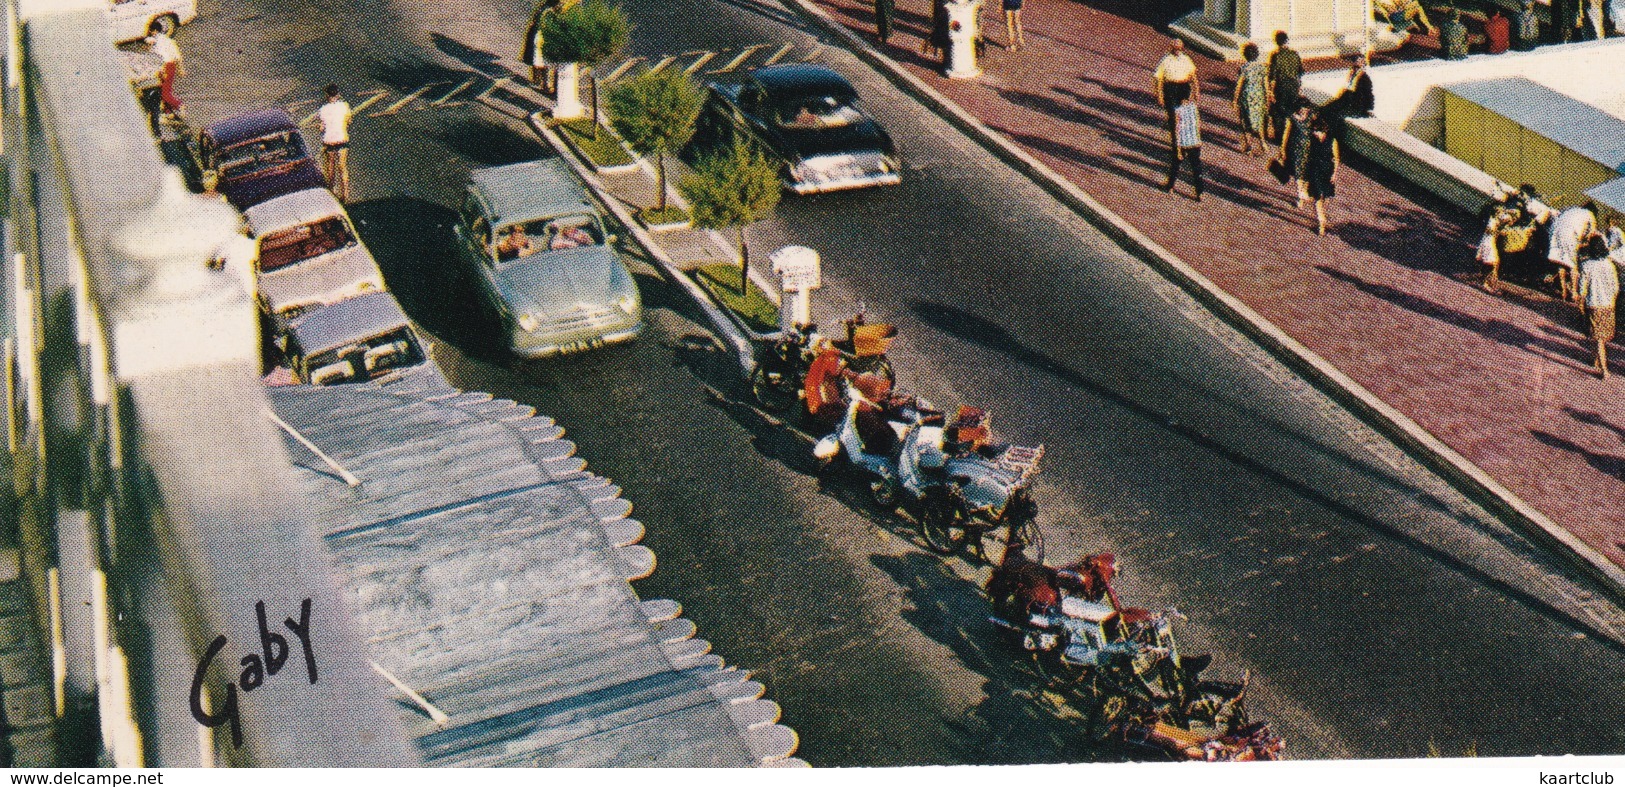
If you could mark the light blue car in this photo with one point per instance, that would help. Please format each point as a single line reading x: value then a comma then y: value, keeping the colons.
x: 543, y: 260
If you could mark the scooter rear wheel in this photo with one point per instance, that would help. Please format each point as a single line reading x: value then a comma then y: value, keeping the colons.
x: 774, y: 395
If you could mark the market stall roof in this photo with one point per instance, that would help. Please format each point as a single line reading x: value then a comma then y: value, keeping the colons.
x: 491, y: 573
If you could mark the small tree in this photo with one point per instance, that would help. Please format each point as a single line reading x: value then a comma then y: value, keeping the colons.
x: 730, y: 189
x: 655, y: 113
x: 586, y: 34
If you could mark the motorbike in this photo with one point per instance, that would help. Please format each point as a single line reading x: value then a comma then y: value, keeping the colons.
x: 785, y: 362
x: 979, y: 488
x: 955, y: 489
x: 1123, y: 664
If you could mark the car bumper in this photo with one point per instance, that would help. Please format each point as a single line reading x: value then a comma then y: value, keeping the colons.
x: 531, y: 346
x: 842, y: 184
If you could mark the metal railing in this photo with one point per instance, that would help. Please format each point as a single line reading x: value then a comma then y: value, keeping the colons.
x: 156, y: 508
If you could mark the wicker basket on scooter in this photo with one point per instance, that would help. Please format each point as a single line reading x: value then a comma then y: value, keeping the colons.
x: 871, y: 339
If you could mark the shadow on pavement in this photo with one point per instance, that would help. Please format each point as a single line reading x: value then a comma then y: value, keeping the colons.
x: 412, y: 241
x: 1608, y: 464
x: 1498, y: 330
x: 477, y: 59
x: 487, y: 144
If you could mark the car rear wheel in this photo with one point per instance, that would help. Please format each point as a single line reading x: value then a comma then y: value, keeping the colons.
x: 166, y: 24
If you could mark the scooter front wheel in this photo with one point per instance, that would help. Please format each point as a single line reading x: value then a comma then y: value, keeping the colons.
x: 942, y: 521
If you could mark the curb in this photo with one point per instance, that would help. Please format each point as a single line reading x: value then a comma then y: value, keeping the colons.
x: 741, y: 343
x: 1422, y: 445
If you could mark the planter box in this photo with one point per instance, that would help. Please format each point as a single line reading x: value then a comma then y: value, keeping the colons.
x: 568, y: 131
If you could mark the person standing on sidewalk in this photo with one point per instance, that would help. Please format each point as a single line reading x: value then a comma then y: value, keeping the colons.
x: 1568, y: 232
x: 883, y: 14
x: 1187, y: 145
x: 1497, y: 33
x: 1565, y: 21
x: 936, y: 43
x: 170, y: 53
x: 1320, y: 168
x: 335, y: 119
x: 1175, y: 81
x: 1527, y: 28
x: 1012, y: 26
x: 1594, y: 19
x: 1252, y: 99
x: 1286, y: 81
x: 1599, y: 290
x: 1453, y: 37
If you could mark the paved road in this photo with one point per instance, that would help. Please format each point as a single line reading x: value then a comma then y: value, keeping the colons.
x: 1377, y: 610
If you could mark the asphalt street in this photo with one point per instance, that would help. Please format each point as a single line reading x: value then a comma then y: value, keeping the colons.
x: 1379, y: 613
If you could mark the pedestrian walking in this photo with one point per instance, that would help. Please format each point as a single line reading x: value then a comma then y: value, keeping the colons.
x: 1599, y: 290
x: 1175, y: 80
x: 937, y: 42
x: 1187, y: 145
x: 169, y: 71
x: 1286, y: 81
x: 1565, y: 20
x: 1320, y: 168
x: 1568, y: 232
x: 335, y: 119
x: 1252, y: 100
x: 1527, y: 28
x: 1012, y: 26
x: 1295, y: 152
x: 884, y: 9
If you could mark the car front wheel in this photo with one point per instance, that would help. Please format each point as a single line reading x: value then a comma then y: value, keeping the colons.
x: 166, y: 24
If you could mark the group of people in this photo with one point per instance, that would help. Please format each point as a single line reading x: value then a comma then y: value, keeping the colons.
x: 1276, y: 121
x: 1586, y: 257
x: 936, y: 41
x: 1521, y: 32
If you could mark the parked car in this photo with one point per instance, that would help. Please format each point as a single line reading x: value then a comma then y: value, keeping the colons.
x: 258, y: 156
x: 309, y: 253
x: 363, y: 338
x: 809, y: 118
x: 544, y: 262
x: 134, y: 19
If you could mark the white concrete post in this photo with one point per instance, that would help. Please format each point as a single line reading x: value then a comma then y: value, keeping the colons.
x: 568, y: 105
x: 799, y: 274
x: 963, y: 17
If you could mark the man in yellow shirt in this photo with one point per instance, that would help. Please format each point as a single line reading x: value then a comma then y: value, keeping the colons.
x: 1175, y: 80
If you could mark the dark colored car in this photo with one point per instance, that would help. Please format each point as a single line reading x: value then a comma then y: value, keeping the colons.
x: 363, y: 338
x: 809, y: 118
x: 258, y: 156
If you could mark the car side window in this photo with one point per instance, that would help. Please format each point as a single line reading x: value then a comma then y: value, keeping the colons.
x: 480, y: 232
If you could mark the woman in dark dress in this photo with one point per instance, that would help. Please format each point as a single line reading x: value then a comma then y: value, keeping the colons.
x: 1295, y: 150
x: 937, y: 42
x: 1321, y: 168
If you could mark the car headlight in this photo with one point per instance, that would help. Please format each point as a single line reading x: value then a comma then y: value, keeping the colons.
x: 627, y: 303
x: 529, y: 322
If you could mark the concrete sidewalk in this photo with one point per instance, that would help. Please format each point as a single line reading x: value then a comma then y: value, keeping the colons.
x: 1387, y: 297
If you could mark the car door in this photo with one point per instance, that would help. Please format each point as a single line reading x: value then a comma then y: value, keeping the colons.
x: 474, y: 243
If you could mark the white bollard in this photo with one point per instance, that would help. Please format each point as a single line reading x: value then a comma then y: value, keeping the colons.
x: 963, y: 18
x: 568, y: 105
x: 799, y: 274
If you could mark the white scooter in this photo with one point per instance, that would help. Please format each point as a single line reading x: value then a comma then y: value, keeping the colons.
x: 892, y: 477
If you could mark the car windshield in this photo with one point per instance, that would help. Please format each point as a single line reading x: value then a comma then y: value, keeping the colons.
x: 365, y: 360
x: 810, y: 112
x: 306, y: 241
x: 565, y: 232
x: 250, y: 158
